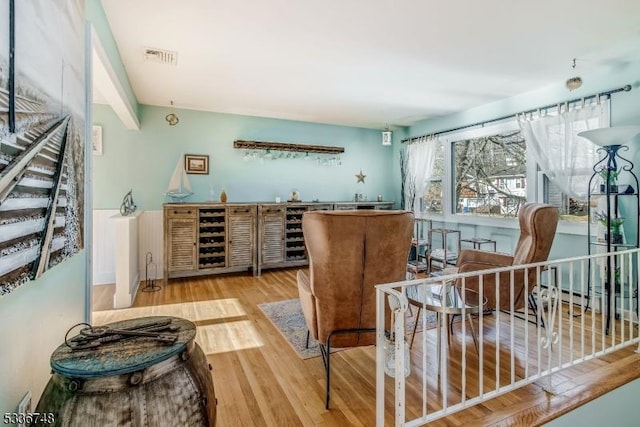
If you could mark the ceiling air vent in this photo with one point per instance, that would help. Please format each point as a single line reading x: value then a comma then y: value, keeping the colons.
x: 160, y: 55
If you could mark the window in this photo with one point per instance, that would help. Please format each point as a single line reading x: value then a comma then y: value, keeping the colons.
x: 491, y: 171
x: 490, y: 174
x: 571, y: 209
x: 432, y: 198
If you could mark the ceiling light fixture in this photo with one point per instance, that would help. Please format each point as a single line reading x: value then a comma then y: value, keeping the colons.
x: 573, y: 82
x: 386, y: 136
x: 171, y: 118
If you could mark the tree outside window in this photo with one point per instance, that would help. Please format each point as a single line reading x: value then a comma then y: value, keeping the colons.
x: 490, y: 175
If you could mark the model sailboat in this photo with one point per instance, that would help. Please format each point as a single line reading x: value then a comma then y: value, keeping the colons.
x: 179, y: 186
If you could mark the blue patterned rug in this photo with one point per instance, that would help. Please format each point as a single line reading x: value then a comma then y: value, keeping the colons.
x: 287, y: 317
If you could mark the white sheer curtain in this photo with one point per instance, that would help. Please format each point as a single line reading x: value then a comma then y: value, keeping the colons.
x: 565, y: 158
x: 421, y: 157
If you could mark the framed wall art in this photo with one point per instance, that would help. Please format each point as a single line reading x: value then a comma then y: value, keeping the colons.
x: 96, y: 140
x: 42, y: 104
x: 196, y: 164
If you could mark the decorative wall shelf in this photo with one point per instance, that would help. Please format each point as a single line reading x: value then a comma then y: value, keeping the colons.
x: 280, y: 146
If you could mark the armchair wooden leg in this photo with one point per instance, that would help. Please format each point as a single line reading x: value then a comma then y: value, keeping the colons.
x: 307, y: 343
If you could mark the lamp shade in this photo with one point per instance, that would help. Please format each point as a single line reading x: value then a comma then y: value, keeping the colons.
x: 616, y: 135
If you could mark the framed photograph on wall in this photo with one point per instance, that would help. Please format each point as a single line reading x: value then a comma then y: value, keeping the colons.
x: 50, y: 83
x: 96, y: 140
x: 196, y: 164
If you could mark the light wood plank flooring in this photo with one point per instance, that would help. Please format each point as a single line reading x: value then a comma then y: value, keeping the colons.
x: 260, y: 380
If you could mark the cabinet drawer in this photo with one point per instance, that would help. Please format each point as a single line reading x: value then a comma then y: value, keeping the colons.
x: 272, y: 210
x: 239, y: 210
x: 344, y: 207
x: 181, y: 212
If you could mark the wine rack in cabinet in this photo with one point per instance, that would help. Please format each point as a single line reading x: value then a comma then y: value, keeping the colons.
x: 212, y: 238
x: 295, y: 251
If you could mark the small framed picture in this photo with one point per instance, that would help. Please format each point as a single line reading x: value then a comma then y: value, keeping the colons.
x: 194, y: 163
x: 96, y: 140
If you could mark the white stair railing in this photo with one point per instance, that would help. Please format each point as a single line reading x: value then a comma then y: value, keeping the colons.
x: 580, y: 308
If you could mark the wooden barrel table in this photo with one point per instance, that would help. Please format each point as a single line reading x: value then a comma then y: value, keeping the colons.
x: 132, y: 382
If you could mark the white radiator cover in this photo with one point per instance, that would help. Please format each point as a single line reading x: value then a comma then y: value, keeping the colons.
x: 127, y: 271
x: 103, y: 247
x: 150, y: 239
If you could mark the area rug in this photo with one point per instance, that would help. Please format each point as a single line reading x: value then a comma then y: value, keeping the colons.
x: 287, y: 317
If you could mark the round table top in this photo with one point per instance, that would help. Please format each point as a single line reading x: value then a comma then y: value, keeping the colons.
x: 444, y: 298
x: 123, y: 356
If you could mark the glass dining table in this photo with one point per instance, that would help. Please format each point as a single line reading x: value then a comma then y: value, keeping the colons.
x: 445, y: 300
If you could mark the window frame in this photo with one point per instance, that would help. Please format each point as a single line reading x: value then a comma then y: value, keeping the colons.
x: 534, y: 191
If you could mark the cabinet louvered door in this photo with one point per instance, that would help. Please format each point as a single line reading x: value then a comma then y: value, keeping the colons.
x: 241, y: 226
x: 182, y: 247
x: 272, y: 236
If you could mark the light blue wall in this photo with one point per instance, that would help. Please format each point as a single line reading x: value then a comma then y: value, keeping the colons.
x: 144, y: 160
x: 34, y: 319
x: 616, y: 408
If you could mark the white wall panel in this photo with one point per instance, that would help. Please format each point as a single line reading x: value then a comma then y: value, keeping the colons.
x: 103, y: 254
x: 151, y: 239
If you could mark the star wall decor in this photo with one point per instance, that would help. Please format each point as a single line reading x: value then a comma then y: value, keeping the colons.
x: 361, y: 177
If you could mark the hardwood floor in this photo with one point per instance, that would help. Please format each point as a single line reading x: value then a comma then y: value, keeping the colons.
x: 261, y: 381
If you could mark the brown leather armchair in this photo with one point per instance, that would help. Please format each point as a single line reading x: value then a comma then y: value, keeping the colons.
x: 349, y: 253
x: 538, y: 224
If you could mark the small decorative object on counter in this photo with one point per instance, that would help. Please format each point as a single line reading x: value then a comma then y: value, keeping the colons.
x: 223, y: 196
x: 128, y: 206
x: 295, y: 196
x: 379, y: 197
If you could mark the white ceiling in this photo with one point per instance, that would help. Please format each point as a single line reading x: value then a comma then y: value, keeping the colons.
x: 364, y: 63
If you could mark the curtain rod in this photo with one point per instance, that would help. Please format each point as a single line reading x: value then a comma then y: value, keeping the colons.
x: 625, y: 88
